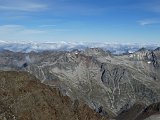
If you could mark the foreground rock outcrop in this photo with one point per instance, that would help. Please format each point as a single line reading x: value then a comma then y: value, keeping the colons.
x: 140, y: 111
x: 23, y: 97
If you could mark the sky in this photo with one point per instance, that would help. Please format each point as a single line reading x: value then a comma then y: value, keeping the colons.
x: 110, y: 21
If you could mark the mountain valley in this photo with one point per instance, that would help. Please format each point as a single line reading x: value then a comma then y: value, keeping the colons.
x: 115, y: 86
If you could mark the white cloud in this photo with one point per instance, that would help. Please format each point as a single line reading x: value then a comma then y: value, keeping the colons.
x: 18, y: 29
x: 32, y: 31
x: 25, y: 30
x: 19, y: 33
x: 26, y: 6
x: 26, y: 46
x: 46, y: 26
x: 148, y: 22
x: 10, y: 28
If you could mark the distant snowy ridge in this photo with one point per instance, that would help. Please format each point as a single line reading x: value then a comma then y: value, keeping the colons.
x: 67, y: 46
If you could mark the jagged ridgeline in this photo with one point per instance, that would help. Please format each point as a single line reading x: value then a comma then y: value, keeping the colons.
x: 109, y: 84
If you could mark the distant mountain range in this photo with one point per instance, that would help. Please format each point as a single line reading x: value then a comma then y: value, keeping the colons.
x: 114, y: 48
x: 123, y: 87
x: 119, y: 81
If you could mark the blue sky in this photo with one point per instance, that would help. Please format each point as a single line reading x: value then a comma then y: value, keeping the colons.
x: 112, y: 21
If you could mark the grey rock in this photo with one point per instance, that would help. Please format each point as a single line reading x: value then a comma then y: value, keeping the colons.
x: 97, y: 77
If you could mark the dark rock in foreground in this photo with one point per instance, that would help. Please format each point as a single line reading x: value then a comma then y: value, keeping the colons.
x: 23, y: 97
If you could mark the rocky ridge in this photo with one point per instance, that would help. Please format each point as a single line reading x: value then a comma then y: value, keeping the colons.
x: 23, y: 97
x: 107, y: 83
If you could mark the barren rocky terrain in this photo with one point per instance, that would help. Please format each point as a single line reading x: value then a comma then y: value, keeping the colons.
x: 112, y: 85
x: 23, y: 97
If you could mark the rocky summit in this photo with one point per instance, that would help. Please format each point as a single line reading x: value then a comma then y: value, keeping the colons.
x: 115, y: 86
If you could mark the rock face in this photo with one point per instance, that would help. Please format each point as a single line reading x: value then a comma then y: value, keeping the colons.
x: 139, y: 111
x: 23, y: 97
x: 149, y: 112
x: 131, y: 113
x: 107, y: 83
